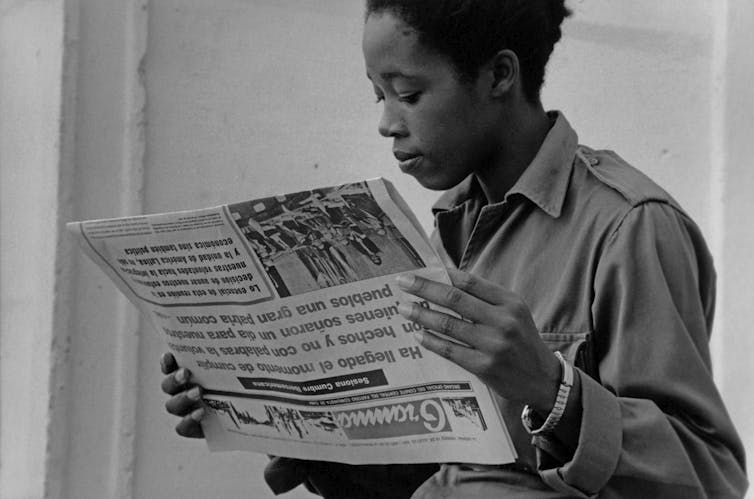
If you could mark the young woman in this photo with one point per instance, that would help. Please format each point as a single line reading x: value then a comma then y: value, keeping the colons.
x: 551, y: 247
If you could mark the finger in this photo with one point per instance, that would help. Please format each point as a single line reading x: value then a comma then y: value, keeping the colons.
x: 466, y: 357
x: 442, y: 323
x: 505, y: 305
x: 479, y: 287
x: 190, y: 426
x: 185, y: 402
x: 168, y: 363
x: 445, y: 295
x: 176, y: 381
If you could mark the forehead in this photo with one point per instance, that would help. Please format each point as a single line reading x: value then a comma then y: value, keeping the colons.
x: 392, y: 48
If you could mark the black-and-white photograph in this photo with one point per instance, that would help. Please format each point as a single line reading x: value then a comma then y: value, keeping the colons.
x: 582, y: 170
x: 224, y: 409
x: 270, y: 420
x: 287, y: 421
x: 322, y: 425
x: 323, y: 237
x: 245, y: 418
x: 466, y: 411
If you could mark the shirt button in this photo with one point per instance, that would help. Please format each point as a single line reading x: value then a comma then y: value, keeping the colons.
x: 594, y: 161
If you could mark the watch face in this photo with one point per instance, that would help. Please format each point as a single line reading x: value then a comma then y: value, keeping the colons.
x: 533, y: 424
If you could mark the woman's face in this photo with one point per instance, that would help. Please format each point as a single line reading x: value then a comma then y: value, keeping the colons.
x: 442, y: 129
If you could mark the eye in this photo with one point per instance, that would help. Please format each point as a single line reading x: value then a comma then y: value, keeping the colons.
x: 411, y: 98
x: 379, y: 95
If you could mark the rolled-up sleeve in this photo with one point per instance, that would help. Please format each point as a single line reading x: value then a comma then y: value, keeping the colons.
x: 654, y: 425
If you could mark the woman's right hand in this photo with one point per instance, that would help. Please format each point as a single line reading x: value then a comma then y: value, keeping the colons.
x: 185, y: 397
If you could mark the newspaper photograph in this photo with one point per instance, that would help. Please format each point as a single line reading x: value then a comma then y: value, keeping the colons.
x: 285, y: 309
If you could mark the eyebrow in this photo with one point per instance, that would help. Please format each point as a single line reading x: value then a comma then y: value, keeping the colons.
x: 391, y: 75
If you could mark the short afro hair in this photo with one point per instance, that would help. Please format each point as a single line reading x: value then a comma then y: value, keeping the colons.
x: 471, y: 32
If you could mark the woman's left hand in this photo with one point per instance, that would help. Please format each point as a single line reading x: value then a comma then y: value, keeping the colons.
x: 501, y: 343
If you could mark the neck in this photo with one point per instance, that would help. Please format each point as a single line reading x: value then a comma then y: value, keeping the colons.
x: 518, y: 146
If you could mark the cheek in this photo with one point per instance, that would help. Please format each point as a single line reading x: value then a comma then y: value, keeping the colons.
x: 439, y: 128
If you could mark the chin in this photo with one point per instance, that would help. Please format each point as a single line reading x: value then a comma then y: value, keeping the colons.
x: 437, y: 182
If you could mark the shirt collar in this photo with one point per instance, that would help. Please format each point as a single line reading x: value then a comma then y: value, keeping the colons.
x: 544, y: 182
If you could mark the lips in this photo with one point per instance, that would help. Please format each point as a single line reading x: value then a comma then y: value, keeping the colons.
x: 407, y: 161
x: 404, y: 156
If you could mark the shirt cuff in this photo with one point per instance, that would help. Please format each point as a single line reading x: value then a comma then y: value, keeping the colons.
x: 599, y: 446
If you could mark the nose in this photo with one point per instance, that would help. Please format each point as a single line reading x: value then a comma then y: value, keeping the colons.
x: 391, y: 123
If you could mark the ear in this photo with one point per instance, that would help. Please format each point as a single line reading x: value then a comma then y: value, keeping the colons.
x: 505, y: 72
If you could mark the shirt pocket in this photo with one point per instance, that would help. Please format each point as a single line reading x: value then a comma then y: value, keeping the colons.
x: 576, y: 348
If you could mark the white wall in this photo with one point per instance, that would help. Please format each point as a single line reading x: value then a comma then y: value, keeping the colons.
x: 174, y: 104
x: 30, y: 84
x: 736, y: 352
x: 273, y: 92
x: 636, y: 77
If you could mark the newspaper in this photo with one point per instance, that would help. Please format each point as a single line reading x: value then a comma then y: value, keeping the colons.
x: 285, y: 311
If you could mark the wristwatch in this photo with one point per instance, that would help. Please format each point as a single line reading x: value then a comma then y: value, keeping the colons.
x: 566, y: 382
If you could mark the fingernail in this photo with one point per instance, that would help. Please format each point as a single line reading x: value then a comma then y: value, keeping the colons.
x: 405, y: 310
x: 181, y: 376
x: 418, y: 336
x: 198, y: 414
x: 406, y: 281
x: 194, y: 394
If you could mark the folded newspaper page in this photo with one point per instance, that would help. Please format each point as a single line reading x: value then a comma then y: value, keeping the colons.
x: 285, y: 311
